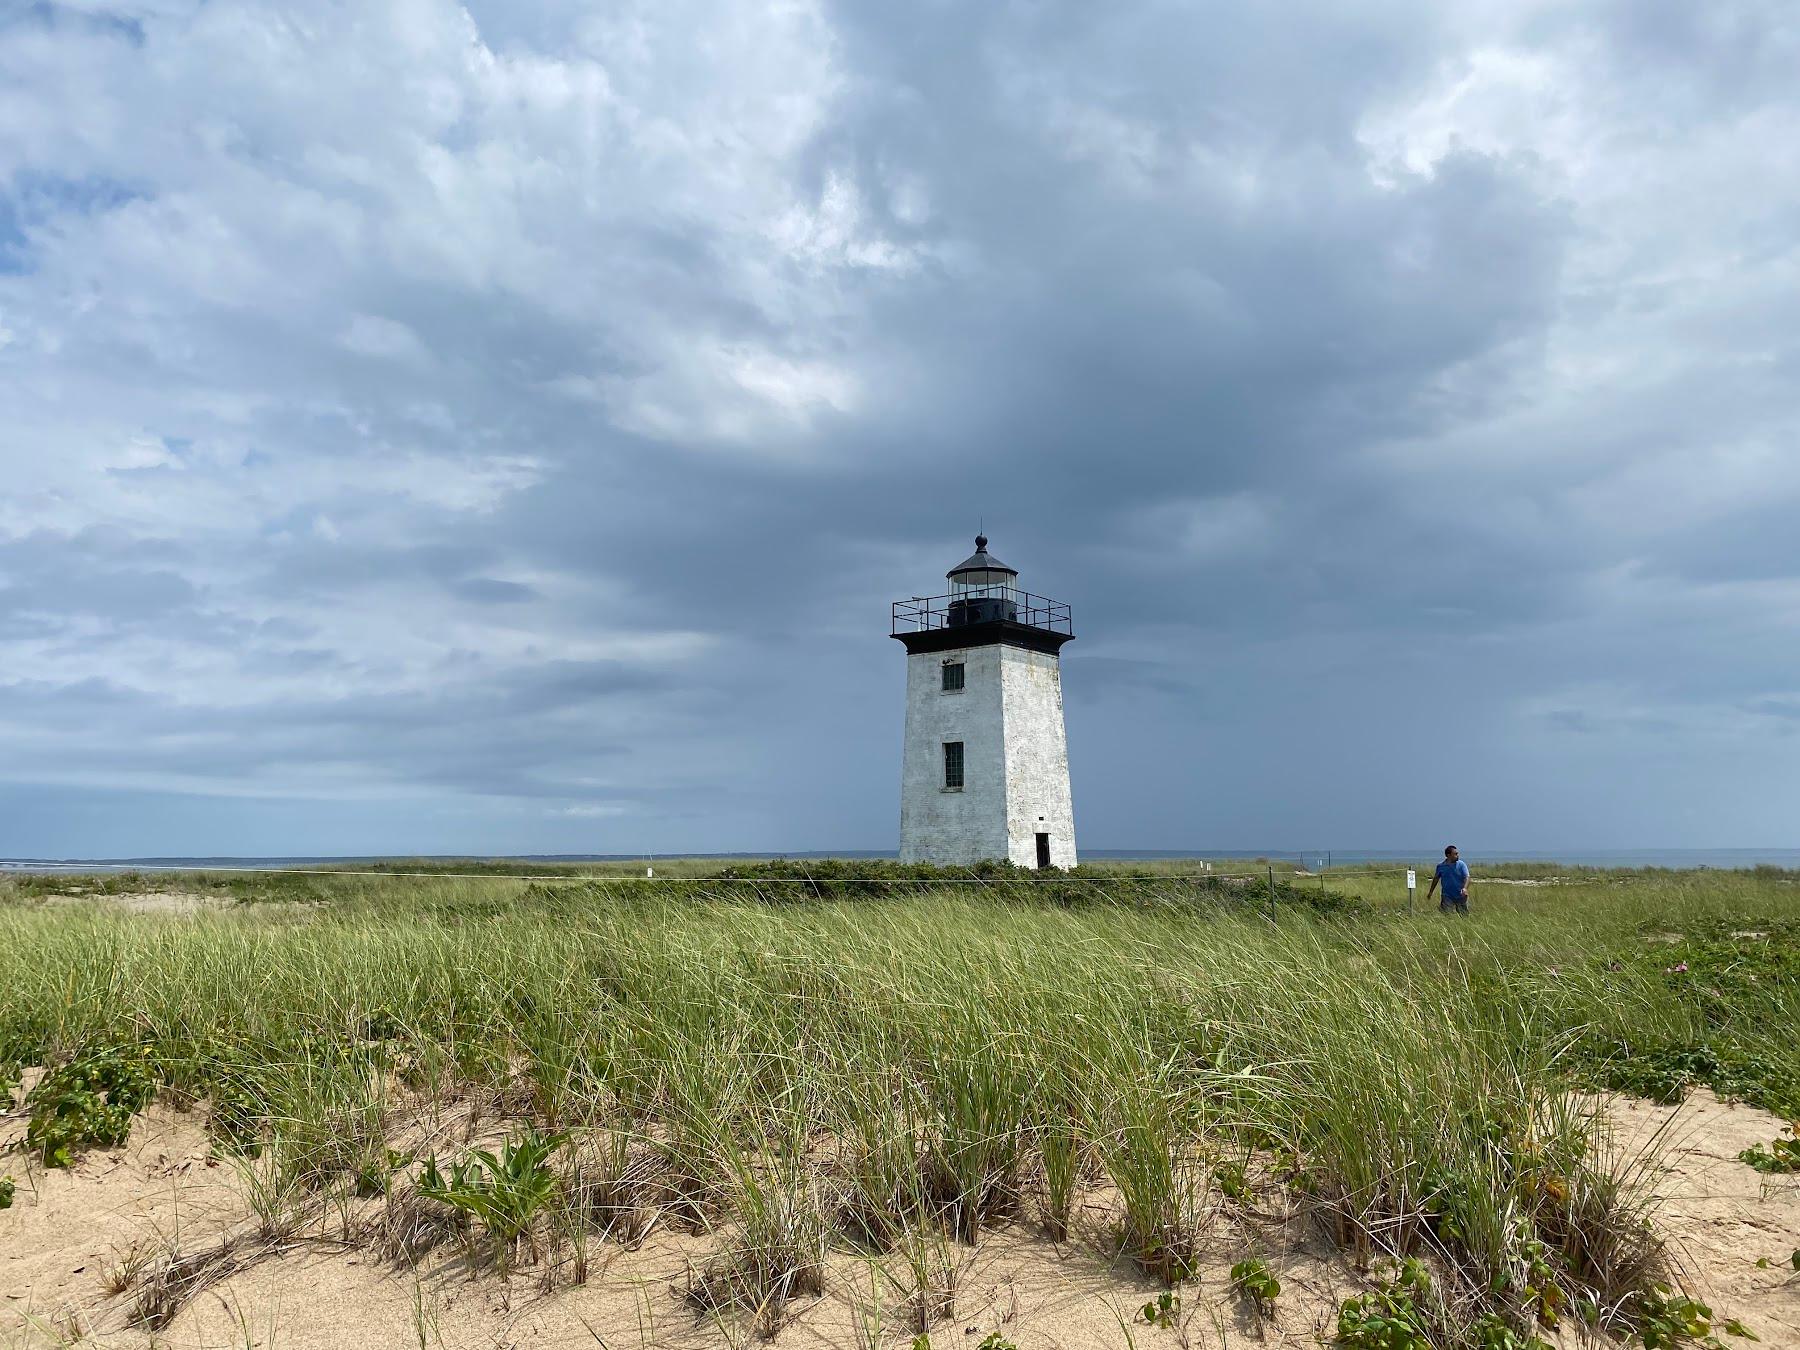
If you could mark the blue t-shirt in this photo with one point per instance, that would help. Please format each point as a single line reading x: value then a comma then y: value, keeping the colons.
x: 1454, y: 878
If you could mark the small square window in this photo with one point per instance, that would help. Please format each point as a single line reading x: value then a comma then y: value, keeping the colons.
x: 953, y: 677
x: 953, y: 764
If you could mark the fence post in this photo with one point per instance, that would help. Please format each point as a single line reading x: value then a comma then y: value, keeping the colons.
x: 1271, y: 886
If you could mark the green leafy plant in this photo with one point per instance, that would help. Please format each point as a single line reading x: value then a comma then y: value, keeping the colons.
x: 1256, y: 1282
x: 1389, y: 1318
x: 1669, y: 1318
x: 373, y: 1176
x: 1779, y: 1155
x: 1162, y: 1310
x: 1234, y: 1184
x: 505, y: 1191
x: 7, y: 1187
x: 87, y: 1102
x: 1493, y: 1332
x: 1730, y: 977
x: 1534, y: 1275
x: 995, y: 1341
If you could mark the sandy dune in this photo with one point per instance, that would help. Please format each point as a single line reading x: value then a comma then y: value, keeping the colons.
x: 70, y: 1235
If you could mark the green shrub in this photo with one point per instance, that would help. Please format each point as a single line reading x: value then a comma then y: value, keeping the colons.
x: 1663, y: 1075
x: 794, y: 881
x: 1721, y: 992
x: 88, y: 1102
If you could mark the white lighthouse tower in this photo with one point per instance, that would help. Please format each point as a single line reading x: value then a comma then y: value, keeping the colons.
x: 985, y: 773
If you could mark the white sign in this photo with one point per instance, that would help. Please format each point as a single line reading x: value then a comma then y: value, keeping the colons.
x: 1412, y: 880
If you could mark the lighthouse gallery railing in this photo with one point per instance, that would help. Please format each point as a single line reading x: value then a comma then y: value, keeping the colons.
x: 975, y: 604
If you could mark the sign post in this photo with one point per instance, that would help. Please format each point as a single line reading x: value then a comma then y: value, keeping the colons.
x: 1412, y: 884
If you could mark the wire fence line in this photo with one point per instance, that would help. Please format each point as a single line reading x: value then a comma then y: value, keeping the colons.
x: 1251, y: 884
x: 1025, y: 875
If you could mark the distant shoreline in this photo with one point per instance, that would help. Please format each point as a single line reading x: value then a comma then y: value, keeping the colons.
x: 1677, y: 859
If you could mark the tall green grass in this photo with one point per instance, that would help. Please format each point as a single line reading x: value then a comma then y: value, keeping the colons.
x: 898, y: 1072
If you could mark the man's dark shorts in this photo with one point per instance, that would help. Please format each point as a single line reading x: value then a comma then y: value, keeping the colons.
x: 1460, y: 905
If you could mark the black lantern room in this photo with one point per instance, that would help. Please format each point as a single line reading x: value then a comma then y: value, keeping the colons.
x: 982, y: 588
x: 985, y: 605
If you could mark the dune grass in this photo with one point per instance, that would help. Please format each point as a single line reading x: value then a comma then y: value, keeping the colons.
x: 901, y: 1072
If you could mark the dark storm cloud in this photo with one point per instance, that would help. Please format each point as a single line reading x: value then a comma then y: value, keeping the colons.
x: 489, y: 591
x: 526, y: 733
x: 517, y: 421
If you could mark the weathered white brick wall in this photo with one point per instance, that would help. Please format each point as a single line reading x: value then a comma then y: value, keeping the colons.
x: 1037, y: 757
x: 936, y: 825
x: 1009, y: 717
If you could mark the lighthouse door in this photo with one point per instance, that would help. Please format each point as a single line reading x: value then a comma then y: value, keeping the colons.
x: 1043, y: 843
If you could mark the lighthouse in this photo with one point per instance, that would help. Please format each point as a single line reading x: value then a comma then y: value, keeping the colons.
x: 985, y: 768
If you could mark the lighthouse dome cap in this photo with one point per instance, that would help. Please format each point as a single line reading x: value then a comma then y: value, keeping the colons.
x: 980, y: 561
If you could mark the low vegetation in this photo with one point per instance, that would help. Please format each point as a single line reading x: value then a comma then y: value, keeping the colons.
x: 88, y: 1101
x: 808, y: 1056
x: 1781, y: 1154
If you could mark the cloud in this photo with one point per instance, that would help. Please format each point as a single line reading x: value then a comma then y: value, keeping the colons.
x: 373, y: 336
x: 501, y: 411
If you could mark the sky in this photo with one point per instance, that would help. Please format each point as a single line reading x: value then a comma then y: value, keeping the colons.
x: 502, y: 428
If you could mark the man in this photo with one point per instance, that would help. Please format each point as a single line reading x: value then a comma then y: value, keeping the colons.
x: 1453, y: 875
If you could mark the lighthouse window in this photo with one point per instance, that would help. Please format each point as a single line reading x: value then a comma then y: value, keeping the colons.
x: 953, y: 677
x: 953, y: 764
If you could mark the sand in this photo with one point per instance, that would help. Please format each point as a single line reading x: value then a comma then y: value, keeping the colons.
x: 1721, y: 1214
x: 145, y: 902
x: 70, y: 1234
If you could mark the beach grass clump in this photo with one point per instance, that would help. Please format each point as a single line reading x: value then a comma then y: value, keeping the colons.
x: 1154, y: 1142
x: 410, y: 1225
x: 618, y: 1187
x: 174, y: 1282
x: 776, y: 1250
x: 1065, y: 1161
